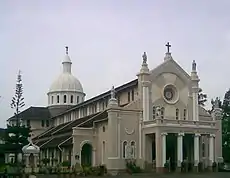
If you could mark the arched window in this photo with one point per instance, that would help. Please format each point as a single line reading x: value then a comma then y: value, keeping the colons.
x: 154, y: 112
x: 133, y: 148
x: 52, y: 99
x: 185, y: 114
x: 77, y: 99
x: 162, y: 112
x: 177, y: 114
x: 124, y: 146
x: 64, y: 98
x: 58, y: 100
x: 71, y: 99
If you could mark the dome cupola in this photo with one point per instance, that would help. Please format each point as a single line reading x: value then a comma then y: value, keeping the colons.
x: 66, y: 90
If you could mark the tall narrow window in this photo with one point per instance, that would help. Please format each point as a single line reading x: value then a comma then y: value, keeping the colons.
x: 47, y: 123
x: 133, y: 148
x: 203, y: 149
x: 52, y: 99
x: 64, y: 98
x: 177, y: 114
x: 124, y: 146
x: 128, y: 96
x: 77, y: 99
x: 58, y: 100
x: 154, y: 112
x: 118, y: 100
x: 103, y: 128
x: 103, y: 105
x: 71, y: 99
x: 185, y: 114
x: 43, y: 123
x: 103, y: 152
x: 132, y: 95
x: 28, y: 123
x: 162, y: 112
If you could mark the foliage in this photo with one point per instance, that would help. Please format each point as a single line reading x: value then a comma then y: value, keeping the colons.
x: 132, y: 167
x: 226, y: 126
x: 16, y: 136
x: 202, y: 98
x: 94, y: 171
x: 66, y: 164
x: 45, y: 161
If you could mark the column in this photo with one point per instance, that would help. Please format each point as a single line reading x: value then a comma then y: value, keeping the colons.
x: 196, y: 149
x: 163, y: 148
x: 145, y: 101
x: 94, y: 157
x: 179, y: 149
x: 211, y: 149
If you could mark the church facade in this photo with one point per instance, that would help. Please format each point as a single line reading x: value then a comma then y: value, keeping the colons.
x: 153, y: 119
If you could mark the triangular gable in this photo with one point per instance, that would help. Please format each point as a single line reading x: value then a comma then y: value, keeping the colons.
x: 171, y: 66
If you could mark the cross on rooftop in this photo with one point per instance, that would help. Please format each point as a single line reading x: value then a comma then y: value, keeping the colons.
x: 168, y: 46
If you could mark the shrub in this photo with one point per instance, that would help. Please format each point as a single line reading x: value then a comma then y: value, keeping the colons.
x: 131, y: 166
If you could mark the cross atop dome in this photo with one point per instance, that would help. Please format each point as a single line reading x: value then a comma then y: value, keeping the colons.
x: 67, y: 50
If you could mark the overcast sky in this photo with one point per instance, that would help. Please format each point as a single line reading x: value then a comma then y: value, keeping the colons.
x: 106, y: 39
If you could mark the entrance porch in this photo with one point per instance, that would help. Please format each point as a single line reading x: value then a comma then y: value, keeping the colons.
x: 170, y: 149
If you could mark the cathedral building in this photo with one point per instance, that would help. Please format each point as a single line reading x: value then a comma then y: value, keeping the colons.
x: 153, y: 119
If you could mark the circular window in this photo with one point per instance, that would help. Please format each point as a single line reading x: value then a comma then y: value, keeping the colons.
x: 170, y: 94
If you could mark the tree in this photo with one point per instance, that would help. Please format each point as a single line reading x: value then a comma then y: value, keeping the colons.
x: 226, y: 126
x: 202, y: 98
x: 17, y: 135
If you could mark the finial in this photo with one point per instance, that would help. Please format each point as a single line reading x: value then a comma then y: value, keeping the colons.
x: 144, y: 57
x: 193, y: 65
x: 67, y: 50
x: 112, y: 92
x: 168, y: 45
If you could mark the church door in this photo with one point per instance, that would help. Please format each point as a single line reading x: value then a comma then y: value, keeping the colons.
x: 86, y: 155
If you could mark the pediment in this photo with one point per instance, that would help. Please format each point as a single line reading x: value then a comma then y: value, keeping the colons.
x: 171, y: 66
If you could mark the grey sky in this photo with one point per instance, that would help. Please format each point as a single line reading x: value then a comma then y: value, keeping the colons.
x: 106, y: 39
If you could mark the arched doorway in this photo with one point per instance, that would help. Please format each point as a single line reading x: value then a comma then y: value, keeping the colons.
x: 86, y: 154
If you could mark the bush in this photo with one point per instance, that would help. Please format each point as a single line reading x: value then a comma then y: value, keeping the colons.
x: 66, y: 164
x: 132, y: 167
x: 200, y: 166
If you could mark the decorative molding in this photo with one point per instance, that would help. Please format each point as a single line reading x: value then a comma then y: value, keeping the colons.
x: 181, y: 134
x: 164, y: 133
x: 129, y: 133
x: 197, y: 135
x: 212, y: 135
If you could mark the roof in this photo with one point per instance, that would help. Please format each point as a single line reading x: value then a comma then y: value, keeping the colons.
x: 56, y: 141
x: 69, y: 127
x: 33, y: 113
x: 90, y: 122
x: 64, y: 128
x: 103, y: 95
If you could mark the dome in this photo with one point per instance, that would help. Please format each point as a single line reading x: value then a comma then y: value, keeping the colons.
x: 66, y: 82
x: 31, y: 148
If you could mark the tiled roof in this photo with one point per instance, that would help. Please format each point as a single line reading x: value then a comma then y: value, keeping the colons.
x: 39, y: 143
x: 54, y: 142
x: 89, y: 122
x: 68, y: 127
x: 67, y: 143
x: 33, y: 113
